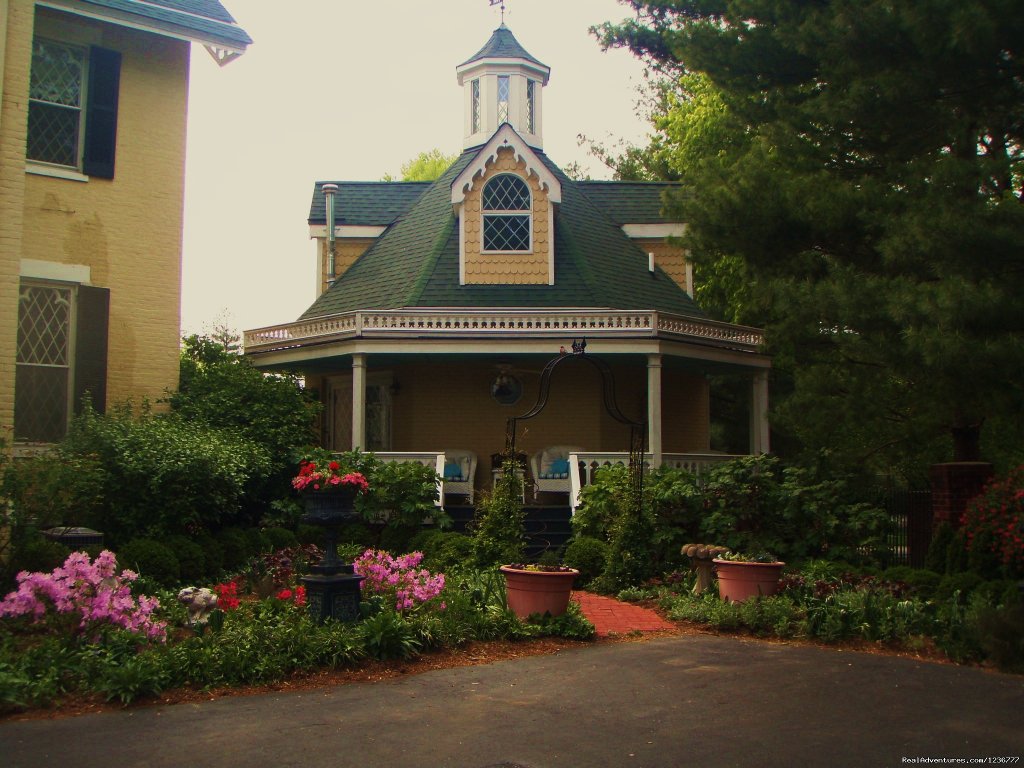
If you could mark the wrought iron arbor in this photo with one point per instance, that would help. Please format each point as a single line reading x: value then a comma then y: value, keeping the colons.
x: 637, y: 429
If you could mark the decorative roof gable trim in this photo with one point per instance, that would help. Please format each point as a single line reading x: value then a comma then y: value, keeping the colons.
x: 506, y: 137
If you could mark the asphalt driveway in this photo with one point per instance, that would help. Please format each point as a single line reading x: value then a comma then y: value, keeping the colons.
x: 680, y: 701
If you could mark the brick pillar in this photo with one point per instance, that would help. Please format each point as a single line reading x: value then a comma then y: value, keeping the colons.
x: 953, y: 485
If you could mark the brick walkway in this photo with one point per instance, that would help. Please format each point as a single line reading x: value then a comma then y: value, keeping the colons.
x: 613, y: 616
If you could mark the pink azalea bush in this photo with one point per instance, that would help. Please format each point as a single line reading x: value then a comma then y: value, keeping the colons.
x: 399, y: 579
x: 93, y: 593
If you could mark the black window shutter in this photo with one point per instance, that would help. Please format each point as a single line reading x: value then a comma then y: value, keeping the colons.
x: 91, y: 325
x: 101, y: 112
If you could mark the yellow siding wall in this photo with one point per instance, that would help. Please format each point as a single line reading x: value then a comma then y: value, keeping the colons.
x: 15, y: 61
x: 128, y: 229
x: 346, y: 251
x: 506, y: 268
x: 669, y: 257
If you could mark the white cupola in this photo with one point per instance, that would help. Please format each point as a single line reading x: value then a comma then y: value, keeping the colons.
x: 502, y: 83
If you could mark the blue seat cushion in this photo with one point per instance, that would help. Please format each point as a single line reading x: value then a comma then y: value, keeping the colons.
x: 558, y: 470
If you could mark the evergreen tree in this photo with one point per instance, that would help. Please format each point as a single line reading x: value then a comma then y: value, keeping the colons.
x: 857, y: 165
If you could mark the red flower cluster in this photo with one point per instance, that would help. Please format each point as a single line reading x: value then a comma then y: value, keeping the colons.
x: 227, y: 595
x: 315, y: 477
x: 995, y: 521
x: 297, y: 595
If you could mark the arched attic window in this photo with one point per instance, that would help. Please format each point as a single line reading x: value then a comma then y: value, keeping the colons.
x: 506, y: 210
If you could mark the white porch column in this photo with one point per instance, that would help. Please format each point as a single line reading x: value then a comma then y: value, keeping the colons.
x: 654, y: 408
x: 359, y: 401
x: 759, y: 435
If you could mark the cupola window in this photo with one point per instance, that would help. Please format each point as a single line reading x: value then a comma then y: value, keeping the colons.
x: 503, y: 97
x: 476, y: 106
x: 506, y: 213
x: 531, y: 123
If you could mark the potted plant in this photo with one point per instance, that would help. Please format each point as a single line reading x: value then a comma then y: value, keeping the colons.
x: 742, y: 576
x: 499, y: 536
x: 328, y: 488
x: 541, y: 589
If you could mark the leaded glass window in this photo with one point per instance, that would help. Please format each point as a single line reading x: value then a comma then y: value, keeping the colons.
x: 530, y: 107
x: 506, y: 212
x: 55, y: 103
x: 503, y: 96
x: 43, y: 374
x: 476, y: 106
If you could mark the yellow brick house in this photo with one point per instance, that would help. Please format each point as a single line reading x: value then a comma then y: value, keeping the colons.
x: 441, y: 302
x: 92, y: 155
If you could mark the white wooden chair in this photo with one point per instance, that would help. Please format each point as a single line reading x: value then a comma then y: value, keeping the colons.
x: 552, y: 472
x: 459, y: 472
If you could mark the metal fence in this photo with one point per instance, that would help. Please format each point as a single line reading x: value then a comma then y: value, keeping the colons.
x: 910, y: 526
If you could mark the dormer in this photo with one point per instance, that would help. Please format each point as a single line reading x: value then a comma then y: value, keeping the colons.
x: 505, y: 201
x: 502, y: 83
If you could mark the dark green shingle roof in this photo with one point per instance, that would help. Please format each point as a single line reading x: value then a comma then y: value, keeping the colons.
x: 206, y: 18
x: 502, y: 45
x: 367, y: 203
x: 416, y: 263
x: 628, y: 202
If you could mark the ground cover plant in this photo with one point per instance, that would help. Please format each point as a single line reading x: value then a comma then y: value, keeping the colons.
x: 900, y: 608
x: 80, y: 630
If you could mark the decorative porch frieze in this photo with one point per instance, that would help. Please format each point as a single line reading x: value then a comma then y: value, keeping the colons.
x: 457, y: 323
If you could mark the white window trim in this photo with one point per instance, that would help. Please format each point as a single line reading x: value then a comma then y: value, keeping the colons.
x: 54, y: 171
x: 35, y: 269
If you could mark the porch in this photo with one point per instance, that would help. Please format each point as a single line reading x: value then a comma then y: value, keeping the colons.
x: 582, y: 468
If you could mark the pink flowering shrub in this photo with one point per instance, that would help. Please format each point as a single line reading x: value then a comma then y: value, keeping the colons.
x: 89, y: 594
x: 993, y: 524
x: 399, y: 579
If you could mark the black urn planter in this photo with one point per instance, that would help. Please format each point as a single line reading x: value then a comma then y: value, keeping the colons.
x: 332, y: 587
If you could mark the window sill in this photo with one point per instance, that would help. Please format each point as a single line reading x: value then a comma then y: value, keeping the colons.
x: 506, y: 253
x: 27, y: 450
x: 55, y: 172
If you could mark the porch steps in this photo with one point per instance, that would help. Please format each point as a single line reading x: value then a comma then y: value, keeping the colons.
x: 546, y: 527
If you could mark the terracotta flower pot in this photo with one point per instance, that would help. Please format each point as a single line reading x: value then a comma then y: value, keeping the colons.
x: 738, y: 581
x: 540, y: 592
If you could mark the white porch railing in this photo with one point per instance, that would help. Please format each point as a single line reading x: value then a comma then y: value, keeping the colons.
x: 582, y: 466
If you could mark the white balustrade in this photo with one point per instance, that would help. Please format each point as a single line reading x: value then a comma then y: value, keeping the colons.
x: 514, y: 322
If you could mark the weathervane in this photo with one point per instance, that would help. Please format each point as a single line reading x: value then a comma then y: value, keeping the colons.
x: 502, y: 4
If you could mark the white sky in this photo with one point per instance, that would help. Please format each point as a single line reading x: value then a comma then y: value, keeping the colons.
x: 347, y: 90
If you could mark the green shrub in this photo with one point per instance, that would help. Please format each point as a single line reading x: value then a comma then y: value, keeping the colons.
x: 921, y: 581
x: 220, y: 389
x: 938, y: 548
x: 1001, y: 635
x: 163, y: 474
x: 388, y: 636
x: 235, y: 548
x: 37, y: 553
x: 499, y: 534
x: 957, y: 555
x: 446, y: 551
x: 963, y: 582
x: 151, y: 559
x: 395, y: 538
x: 213, y: 554
x: 356, y: 534
x: 255, y: 542
x: 993, y: 527
x: 191, y: 558
x: 587, y: 555
x: 280, y: 538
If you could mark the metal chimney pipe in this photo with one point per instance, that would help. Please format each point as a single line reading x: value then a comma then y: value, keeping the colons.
x: 329, y: 191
